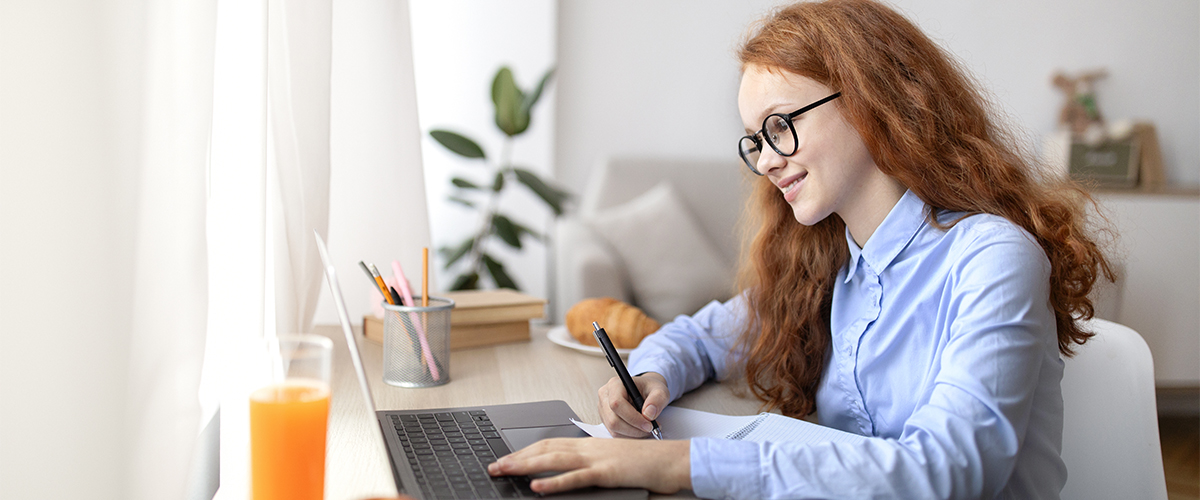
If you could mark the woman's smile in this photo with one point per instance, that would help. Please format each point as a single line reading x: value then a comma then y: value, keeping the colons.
x: 791, y: 186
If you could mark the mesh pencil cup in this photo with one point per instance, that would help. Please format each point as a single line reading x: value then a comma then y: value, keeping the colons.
x: 416, y: 343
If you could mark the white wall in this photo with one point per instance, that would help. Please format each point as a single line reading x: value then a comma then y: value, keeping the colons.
x: 660, y: 77
x: 374, y: 151
x: 458, y: 46
x: 651, y: 78
x: 1151, y: 50
x: 456, y: 49
x: 69, y: 73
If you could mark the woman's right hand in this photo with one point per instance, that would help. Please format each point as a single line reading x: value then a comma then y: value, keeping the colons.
x: 618, y: 413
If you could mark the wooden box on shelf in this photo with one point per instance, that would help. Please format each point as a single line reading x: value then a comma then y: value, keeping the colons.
x: 1133, y: 161
x: 480, y: 317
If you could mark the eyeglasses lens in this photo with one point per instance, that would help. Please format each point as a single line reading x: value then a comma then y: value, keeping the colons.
x: 779, y: 133
x: 749, y: 151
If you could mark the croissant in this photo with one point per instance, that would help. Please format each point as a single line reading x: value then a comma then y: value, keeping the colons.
x: 625, y: 325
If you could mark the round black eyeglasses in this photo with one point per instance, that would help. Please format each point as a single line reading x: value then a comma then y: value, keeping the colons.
x: 779, y: 132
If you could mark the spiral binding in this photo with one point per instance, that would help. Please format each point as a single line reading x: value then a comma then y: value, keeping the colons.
x: 745, y: 431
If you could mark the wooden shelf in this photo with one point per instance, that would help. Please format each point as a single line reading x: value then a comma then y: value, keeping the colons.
x: 1187, y: 191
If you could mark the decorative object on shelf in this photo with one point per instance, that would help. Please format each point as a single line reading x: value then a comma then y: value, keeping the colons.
x: 1151, y: 175
x: 513, y: 108
x: 1111, y: 162
x: 1111, y: 154
x: 1081, y: 113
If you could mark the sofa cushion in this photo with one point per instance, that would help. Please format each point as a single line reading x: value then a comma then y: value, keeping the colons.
x: 672, y: 267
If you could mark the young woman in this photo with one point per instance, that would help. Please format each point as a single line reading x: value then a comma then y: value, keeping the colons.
x: 911, y: 280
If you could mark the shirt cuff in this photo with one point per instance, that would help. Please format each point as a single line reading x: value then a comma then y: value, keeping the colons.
x: 662, y: 365
x: 723, y: 468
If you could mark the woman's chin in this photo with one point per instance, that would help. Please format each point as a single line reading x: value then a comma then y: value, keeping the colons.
x: 806, y: 215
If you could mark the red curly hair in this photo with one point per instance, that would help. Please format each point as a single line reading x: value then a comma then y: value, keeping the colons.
x: 927, y: 125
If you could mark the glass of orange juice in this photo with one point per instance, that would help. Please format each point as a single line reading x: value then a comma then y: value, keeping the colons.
x: 288, y: 418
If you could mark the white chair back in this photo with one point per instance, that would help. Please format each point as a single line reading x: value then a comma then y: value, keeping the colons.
x: 1110, y: 420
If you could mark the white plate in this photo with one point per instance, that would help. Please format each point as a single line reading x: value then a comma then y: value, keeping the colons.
x: 559, y: 335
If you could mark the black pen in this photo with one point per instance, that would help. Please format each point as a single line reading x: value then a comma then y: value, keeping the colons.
x: 614, y: 359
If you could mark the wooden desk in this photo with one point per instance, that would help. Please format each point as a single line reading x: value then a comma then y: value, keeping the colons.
x: 357, y: 464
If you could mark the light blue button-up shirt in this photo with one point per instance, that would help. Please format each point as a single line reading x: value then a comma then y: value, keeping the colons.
x: 944, y: 350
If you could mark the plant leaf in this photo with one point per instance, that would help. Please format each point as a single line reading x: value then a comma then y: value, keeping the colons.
x: 452, y: 254
x: 499, y: 275
x: 462, y: 201
x: 551, y: 195
x: 463, y: 183
x: 501, y: 75
x: 498, y: 183
x: 521, y: 229
x: 457, y: 143
x: 532, y: 97
x: 507, y: 98
x: 468, y: 281
x: 506, y: 230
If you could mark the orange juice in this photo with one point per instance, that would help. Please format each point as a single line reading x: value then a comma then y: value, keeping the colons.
x: 287, y: 440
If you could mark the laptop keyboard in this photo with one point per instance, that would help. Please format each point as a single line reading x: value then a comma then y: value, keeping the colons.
x: 449, y: 453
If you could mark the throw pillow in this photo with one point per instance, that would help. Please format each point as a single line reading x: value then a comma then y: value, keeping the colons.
x: 672, y: 267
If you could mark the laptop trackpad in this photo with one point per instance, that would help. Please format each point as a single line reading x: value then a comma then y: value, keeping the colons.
x: 525, y: 436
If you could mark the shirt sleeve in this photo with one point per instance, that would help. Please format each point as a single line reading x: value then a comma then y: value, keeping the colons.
x: 964, y: 436
x: 692, y: 349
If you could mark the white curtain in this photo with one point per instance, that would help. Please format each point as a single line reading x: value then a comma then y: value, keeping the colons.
x: 269, y: 191
x: 298, y: 106
x: 170, y: 269
x: 235, y: 174
x: 236, y: 228
x: 164, y: 165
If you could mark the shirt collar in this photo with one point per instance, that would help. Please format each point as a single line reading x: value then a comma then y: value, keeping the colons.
x: 892, y: 235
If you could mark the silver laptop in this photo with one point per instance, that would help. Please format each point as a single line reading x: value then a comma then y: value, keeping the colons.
x: 443, y: 452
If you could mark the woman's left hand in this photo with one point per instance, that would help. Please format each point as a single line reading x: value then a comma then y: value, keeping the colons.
x: 659, y: 466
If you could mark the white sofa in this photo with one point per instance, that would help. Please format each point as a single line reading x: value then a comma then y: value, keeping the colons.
x: 658, y: 233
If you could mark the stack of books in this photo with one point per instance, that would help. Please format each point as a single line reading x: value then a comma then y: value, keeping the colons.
x: 480, y: 317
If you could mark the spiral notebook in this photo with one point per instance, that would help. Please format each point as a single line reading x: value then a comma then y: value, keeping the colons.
x: 684, y: 423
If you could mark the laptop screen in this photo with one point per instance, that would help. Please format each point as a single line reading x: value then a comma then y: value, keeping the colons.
x: 336, y: 290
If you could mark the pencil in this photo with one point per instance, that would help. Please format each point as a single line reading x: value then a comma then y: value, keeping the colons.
x: 424, y: 276
x: 406, y: 292
x: 382, y: 286
x: 367, y: 270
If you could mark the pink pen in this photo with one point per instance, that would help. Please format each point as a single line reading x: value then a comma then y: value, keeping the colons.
x: 406, y: 293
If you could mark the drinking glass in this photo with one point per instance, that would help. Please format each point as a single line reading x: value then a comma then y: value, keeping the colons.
x: 288, y: 419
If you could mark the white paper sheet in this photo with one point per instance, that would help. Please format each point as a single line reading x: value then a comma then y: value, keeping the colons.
x: 593, y: 430
x: 683, y: 423
x: 775, y: 427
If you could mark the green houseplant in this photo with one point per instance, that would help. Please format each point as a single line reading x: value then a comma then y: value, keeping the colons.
x: 513, y: 108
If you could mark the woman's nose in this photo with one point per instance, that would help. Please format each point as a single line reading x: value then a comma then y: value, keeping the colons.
x: 769, y: 160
